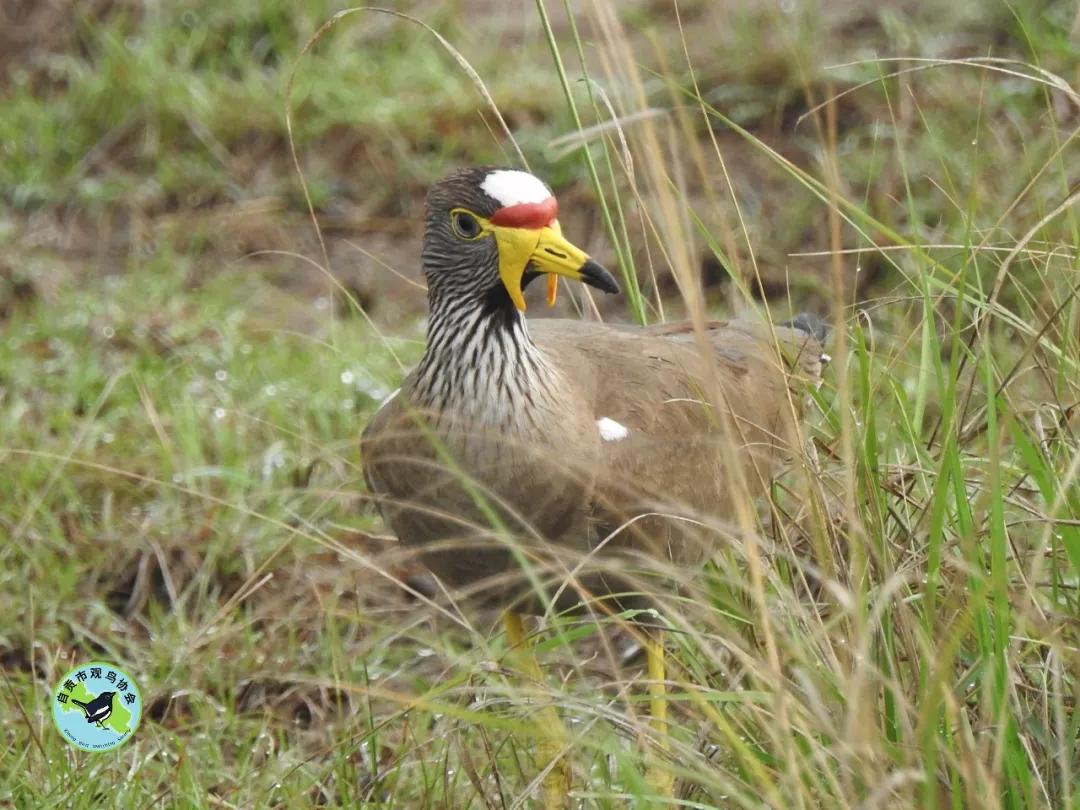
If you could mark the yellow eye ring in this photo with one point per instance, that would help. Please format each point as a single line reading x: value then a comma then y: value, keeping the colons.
x: 465, y: 224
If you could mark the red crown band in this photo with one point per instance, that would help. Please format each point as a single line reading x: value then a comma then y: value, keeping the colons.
x: 527, y: 215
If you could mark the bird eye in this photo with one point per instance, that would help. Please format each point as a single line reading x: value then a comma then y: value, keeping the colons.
x: 465, y: 224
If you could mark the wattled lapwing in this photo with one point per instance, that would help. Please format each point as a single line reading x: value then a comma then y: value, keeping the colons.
x: 549, y: 445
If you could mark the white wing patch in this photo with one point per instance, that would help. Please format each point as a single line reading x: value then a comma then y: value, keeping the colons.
x: 511, y: 187
x: 610, y: 430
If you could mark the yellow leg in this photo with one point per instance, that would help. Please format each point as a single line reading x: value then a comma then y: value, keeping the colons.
x: 659, y: 779
x: 549, y: 728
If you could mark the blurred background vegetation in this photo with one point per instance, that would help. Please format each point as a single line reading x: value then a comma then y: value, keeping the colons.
x: 183, y: 373
x: 133, y: 131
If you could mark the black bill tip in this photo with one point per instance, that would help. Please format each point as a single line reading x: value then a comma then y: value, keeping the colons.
x: 595, y: 275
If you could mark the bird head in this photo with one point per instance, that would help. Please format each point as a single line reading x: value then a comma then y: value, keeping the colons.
x: 491, y: 231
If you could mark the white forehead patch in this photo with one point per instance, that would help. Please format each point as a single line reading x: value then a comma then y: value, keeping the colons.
x: 610, y: 430
x: 511, y: 187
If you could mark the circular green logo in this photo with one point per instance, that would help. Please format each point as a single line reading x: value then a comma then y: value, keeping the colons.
x: 96, y: 706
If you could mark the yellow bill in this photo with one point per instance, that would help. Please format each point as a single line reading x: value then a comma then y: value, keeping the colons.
x: 547, y: 251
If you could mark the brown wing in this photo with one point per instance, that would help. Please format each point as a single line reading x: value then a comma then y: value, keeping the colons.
x: 707, y: 417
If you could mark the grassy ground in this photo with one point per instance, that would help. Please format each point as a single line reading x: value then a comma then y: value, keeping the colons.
x: 179, y: 480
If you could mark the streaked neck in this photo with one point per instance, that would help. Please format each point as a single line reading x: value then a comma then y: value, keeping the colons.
x: 480, y: 363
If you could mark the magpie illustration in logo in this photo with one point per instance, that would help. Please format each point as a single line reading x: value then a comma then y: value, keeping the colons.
x: 97, y: 710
